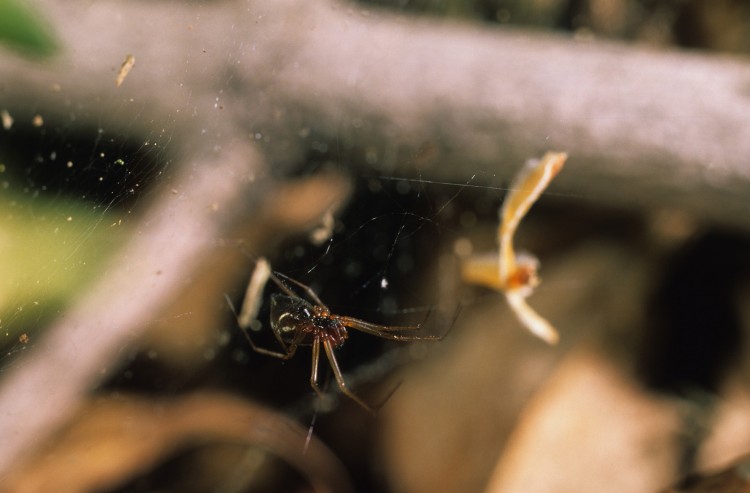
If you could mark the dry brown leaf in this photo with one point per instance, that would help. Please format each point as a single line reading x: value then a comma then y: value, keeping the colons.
x: 591, y: 429
x: 451, y: 418
x: 735, y: 479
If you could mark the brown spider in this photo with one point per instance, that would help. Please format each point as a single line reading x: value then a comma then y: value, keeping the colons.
x: 296, y: 322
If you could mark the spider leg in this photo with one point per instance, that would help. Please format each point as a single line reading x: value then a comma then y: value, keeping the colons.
x: 384, y: 331
x: 340, y: 378
x: 314, y: 371
x: 356, y: 323
x: 268, y: 352
x: 288, y: 350
x: 307, y: 289
x: 385, y: 328
x: 283, y: 287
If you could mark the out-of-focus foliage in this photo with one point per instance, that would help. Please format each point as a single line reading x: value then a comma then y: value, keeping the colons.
x: 48, y: 249
x: 23, y: 30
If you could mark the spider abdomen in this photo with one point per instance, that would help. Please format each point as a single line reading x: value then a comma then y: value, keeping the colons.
x: 299, y: 323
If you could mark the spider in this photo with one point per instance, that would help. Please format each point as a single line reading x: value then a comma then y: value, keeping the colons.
x: 297, y: 322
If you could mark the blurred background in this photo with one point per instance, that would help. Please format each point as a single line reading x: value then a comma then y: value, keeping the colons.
x: 647, y: 386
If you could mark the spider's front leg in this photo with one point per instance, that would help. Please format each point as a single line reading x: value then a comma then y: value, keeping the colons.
x: 307, y: 289
x: 314, y: 370
x: 328, y: 346
x: 387, y: 332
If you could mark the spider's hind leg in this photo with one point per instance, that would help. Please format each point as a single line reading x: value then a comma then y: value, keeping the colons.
x: 285, y: 355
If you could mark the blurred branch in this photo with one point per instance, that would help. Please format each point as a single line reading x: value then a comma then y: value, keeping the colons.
x: 118, y: 437
x: 643, y: 129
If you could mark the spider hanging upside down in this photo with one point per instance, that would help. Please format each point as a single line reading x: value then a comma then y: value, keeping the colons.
x: 296, y: 322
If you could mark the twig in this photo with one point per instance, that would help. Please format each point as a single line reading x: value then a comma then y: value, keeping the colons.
x: 117, y: 436
x: 646, y: 128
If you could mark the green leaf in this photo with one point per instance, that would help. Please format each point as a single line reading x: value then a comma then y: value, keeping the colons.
x: 50, y: 249
x: 23, y: 30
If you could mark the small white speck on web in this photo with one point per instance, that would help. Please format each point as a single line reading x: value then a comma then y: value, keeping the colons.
x: 384, y: 283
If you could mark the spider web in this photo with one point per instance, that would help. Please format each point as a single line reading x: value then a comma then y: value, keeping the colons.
x: 384, y: 246
x: 68, y: 196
